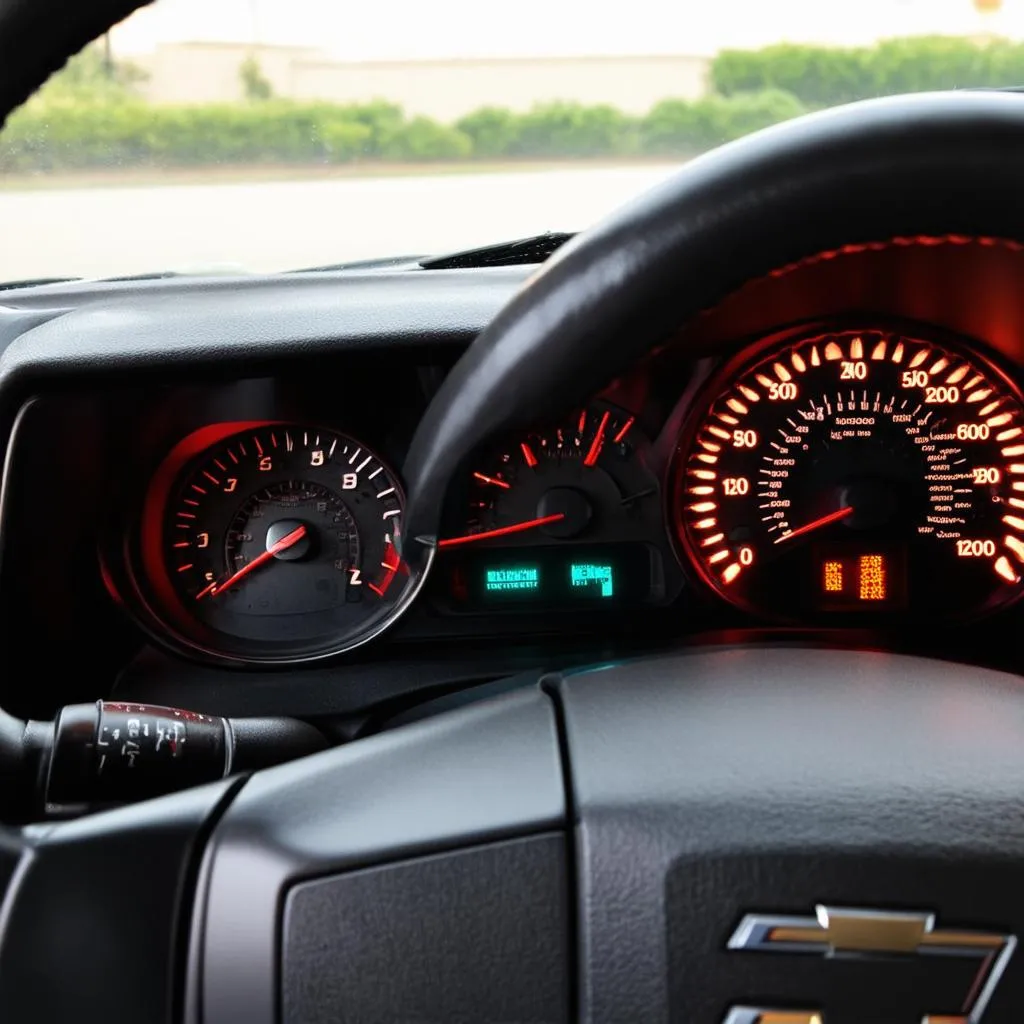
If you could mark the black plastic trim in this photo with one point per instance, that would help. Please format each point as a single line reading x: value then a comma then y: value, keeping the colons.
x: 472, y: 776
x: 469, y: 935
x: 573, y: 864
x: 103, y: 326
x: 93, y: 916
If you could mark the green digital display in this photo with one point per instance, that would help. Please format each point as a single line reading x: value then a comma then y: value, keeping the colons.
x: 554, y: 576
x: 512, y: 578
x: 596, y: 577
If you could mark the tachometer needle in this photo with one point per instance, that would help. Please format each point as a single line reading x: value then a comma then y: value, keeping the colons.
x: 832, y: 517
x: 501, y: 531
x: 280, y: 545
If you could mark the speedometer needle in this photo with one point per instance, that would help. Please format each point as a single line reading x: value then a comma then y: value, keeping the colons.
x: 501, y: 531
x: 283, y: 544
x: 832, y: 517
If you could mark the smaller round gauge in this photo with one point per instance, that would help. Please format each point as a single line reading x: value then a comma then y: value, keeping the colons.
x: 276, y: 543
x: 575, y: 480
x: 561, y: 515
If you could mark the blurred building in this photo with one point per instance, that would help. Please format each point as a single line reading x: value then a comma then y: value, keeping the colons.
x: 445, y: 89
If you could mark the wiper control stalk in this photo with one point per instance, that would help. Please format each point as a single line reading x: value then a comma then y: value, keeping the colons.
x: 111, y: 752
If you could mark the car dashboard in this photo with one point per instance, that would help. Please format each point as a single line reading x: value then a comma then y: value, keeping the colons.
x: 204, y: 486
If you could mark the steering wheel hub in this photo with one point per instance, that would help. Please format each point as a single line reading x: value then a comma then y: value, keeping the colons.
x: 797, y: 830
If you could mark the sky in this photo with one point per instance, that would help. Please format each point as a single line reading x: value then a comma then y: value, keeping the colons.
x: 425, y: 29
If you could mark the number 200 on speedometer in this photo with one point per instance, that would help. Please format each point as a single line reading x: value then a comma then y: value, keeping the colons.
x: 858, y: 474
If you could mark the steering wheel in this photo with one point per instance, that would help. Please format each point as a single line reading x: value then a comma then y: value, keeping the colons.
x: 734, y: 834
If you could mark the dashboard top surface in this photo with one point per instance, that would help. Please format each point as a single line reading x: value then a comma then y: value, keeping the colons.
x: 103, y: 325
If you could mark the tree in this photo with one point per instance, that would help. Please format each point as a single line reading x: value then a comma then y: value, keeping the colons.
x: 90, y: 76
x: 255, y: 84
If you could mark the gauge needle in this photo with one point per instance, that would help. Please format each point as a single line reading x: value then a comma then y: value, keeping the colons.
x: 493, y: 481
x: 502, y: 531
x: 598, y: 442
x: 280, y: 545
x: 832, y: 517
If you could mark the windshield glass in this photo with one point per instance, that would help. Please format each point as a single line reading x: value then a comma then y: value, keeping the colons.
x: 266, y: 135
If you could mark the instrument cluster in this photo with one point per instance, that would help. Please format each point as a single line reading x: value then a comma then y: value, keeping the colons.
x: 843, y: 474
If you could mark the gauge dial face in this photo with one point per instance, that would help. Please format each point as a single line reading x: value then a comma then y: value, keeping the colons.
x: 561, y: 517
x: 279, y: 543
x: 857, y: 474
x: 567, y: 482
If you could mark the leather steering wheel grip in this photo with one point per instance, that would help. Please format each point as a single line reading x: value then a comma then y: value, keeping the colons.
x: 934, y: 163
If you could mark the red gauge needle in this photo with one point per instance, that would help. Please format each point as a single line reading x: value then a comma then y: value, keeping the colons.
x: 598, y: 442
x: 502, y: 531
x: 279, y: 545
x: 493, y: 481
x: 832, y: 517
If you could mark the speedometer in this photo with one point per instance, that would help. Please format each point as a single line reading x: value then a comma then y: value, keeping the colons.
x: 857, y: 473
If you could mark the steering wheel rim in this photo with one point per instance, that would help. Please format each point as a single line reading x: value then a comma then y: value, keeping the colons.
x: 899, y: 167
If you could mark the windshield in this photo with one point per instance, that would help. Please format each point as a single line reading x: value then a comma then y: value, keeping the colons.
x: 267, y: 135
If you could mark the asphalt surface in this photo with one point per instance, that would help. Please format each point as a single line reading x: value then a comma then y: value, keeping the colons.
x: 267, y: 226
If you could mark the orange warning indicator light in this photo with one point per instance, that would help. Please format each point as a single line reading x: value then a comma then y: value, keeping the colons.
x: 850, y: 580
x: 872, y: 578
x: 832, y: 577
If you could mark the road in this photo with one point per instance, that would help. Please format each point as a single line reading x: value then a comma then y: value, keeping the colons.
x: 266, y: 226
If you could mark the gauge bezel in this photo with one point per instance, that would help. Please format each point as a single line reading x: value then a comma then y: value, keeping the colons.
x: 743, y: 356
x: 155, y: 604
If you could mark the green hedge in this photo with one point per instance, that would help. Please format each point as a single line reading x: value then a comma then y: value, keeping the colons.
x: 674, y: 126
x: 821, y: 76
x: 83, y: 120
x: 62, y: 134
x: 74, y: 136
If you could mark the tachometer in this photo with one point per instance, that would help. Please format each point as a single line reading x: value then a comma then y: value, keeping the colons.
x: 277, y: 542
x: 857, y: 472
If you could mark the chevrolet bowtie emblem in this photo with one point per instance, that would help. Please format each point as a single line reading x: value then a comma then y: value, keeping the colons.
x: 847, y: 932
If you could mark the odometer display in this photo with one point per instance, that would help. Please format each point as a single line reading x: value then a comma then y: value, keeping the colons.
x: 857, y: 473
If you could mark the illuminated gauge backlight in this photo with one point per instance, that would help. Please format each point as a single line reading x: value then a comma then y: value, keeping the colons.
x: 560, y: 518
x: 277, y: 542
x: 857, y: 472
